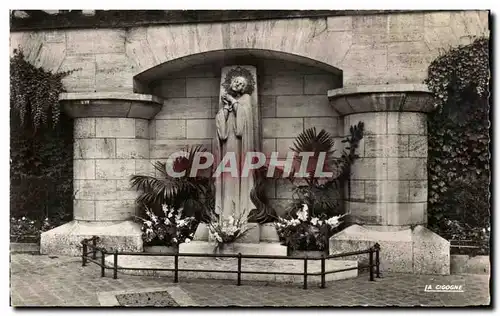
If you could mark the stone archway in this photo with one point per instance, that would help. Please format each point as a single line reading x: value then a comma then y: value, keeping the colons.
x: 119, y: 134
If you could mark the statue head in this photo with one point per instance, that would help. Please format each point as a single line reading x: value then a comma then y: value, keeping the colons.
x: 238, y: 84
x: 239, y: 81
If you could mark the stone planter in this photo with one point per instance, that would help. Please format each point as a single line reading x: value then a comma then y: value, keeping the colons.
x: 309, y: 253
x: 161, y: 249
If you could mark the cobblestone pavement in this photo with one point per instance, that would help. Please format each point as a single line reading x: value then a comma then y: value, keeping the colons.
x: 44, y: 281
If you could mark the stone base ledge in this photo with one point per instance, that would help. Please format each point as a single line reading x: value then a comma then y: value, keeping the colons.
x: 256, y: 232
x: 419, y: 251
x: 66, y: 239
x: 261, y: 248
x: 230, y: 264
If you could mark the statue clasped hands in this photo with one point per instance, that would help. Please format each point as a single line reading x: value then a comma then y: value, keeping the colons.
x: 230, y: 104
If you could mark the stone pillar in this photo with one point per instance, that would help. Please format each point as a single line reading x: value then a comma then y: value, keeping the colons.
x: 387, y: 192
x: 111, y: 144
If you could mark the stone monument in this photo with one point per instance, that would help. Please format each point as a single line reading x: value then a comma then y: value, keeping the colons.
x: 236, y: 121
x: 238, y: 133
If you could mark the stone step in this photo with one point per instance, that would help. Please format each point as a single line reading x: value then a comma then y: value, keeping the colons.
x: 66, y: 239
x: 231, y: 264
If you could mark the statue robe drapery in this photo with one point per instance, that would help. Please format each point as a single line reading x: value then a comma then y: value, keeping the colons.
x: 236, y: 134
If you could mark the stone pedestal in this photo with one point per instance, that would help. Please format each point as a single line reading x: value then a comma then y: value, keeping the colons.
x: 111, y: 144
x: 259, y: 239
x: 387, y: 189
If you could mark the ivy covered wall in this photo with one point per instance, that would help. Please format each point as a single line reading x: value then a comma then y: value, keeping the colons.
x: 459, y: 139
x: 41, y: 146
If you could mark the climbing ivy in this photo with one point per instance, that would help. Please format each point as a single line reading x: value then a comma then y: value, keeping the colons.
x: 41, y: 144
x: 34, y: 92
x: 459, y: 158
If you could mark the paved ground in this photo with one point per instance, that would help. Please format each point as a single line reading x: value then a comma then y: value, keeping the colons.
x: 43, y: 281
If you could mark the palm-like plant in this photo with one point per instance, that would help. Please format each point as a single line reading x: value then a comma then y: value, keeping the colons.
x: 322, y: 195
x: 310, y: 141
x: 194, y: 194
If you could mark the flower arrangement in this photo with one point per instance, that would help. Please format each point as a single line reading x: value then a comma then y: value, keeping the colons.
x: 306, y: 232
x: 225, y: 231
x: 171, y: 229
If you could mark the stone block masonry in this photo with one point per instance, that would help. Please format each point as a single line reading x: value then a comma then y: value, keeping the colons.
x: 105, y: 153
x: 393, y: 158
x: 112, y: 137
x: 369, y: 48
x: 387, y: 189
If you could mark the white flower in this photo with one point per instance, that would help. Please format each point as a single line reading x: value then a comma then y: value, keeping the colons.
x: 314, y: 221
x: 167, y: 222
x: 165, y: 209
x: 23, y: 218
x: 320, y: 223
x: 484, y: 230
x: 302, y: 215
x: 333, y: 221
x: 488, y: 228
x: 174, y: 239
x: 187, y: 241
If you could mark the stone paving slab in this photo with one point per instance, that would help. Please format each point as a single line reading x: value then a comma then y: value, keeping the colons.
x: 38, y: 280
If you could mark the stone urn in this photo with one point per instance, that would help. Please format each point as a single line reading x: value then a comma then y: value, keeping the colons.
x: 161, y: 249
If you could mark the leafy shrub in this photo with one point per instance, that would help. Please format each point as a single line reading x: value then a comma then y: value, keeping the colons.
x: 459, y: 166
x: 41, y: 145
x: 26, y: 230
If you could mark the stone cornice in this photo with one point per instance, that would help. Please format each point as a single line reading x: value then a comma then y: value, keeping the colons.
x: 382, y: 98
x: 22, y: 20
x: 111, y: 104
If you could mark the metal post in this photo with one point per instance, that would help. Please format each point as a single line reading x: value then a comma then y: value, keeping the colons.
x: 84, y: 252
x: 115, y: 265
x: 94, y: 246
x: 377, y: 259
x: 305, y: 272
x: 371, y: 264
x: 323, y: 271
x: 103, y: 263
x: 176, y: 268
x: 239, y: 268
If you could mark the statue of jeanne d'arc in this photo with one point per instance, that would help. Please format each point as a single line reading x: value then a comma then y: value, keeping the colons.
x: 237, y: 134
